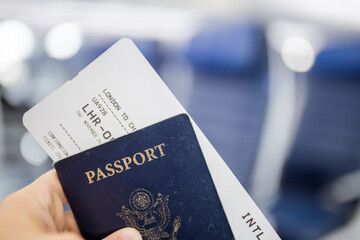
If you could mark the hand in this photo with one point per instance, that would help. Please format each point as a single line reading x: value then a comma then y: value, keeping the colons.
x: 37, y: 212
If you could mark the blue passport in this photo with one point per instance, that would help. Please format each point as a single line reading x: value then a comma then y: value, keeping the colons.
x: 155, y: 180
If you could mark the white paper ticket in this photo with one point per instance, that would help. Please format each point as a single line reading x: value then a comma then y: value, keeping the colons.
x: 115, y: 95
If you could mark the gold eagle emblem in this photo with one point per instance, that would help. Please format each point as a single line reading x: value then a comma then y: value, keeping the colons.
x: 149, y: 217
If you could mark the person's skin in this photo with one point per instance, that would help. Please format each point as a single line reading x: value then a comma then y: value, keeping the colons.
x: 37, y: 212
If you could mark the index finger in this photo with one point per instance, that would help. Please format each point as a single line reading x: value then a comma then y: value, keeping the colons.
x: 49, y: 183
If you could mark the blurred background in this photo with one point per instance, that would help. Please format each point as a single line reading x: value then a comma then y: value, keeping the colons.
x: 274, y: 85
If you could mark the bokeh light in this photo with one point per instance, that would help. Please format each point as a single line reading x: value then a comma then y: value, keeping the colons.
x: 63, y: 41
x: 16, y: 43
x: 15, y: 74
x: 298, y: 54
x: 31, y: 150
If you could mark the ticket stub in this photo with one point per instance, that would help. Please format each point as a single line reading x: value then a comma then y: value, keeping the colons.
x: 117, y: 94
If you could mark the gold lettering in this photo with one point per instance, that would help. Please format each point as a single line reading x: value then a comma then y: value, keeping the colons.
x: 139, y: 158
x: 109, y: 168
x: 126, y: 163
x: 150, y: 153
x: 160, y: 149
x: 142, y: 157
x: 117, y: 164
x: 90, y: 175
x: 100, y: 174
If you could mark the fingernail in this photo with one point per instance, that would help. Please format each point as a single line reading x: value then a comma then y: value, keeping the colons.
x: 129, y: 234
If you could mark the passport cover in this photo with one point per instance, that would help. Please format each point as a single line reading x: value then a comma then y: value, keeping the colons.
x: 155, y: 180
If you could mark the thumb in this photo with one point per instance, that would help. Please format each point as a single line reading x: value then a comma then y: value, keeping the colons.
x: 124, y: 234
x: 60, y: 236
